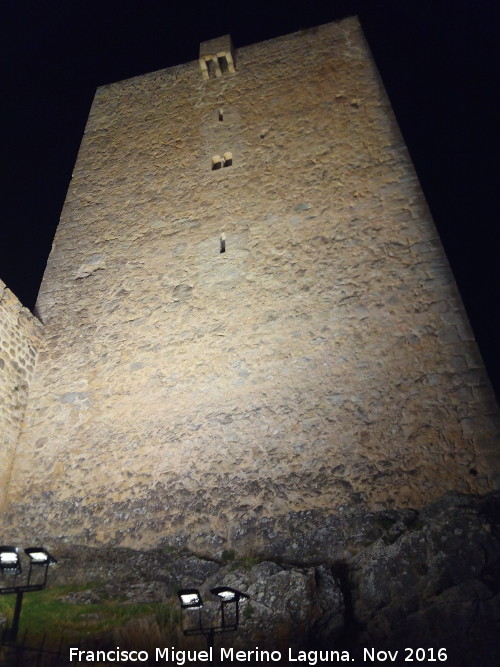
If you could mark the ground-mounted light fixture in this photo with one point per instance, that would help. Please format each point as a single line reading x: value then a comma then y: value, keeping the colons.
x: 39, y: 558
x: 10, y: 566
x: 227, y: 596
x: 10, y: 563
x: 190, y: 599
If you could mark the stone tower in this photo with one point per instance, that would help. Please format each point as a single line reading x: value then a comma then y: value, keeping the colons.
x: 247, y: 311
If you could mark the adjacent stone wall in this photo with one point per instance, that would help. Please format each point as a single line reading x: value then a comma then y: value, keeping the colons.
x: 322, y: 361
x: 20, y: 334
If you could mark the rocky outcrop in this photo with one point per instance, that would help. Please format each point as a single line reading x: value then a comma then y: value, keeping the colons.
x: 385, y: 581
x: 287, y: 606
x: 434, y: 583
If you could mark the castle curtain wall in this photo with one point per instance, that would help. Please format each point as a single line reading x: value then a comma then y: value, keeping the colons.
x: 20, y: 336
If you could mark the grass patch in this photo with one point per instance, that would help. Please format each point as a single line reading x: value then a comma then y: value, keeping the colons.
x: 227, y: 556
x: 47, y: 612
x: 248, y: 612
x: 245, y: 563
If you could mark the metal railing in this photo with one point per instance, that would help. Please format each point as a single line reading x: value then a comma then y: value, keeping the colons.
x: 23, y: 654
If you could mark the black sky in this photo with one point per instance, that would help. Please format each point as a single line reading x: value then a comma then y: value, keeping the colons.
x: 437, y: 59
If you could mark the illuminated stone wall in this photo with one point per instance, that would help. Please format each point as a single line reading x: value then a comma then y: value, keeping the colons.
x: 20, y: 334
x: 322, y: 361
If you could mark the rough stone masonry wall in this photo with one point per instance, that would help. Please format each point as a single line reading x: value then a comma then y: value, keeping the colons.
x: 20, y: 335
x: 322, y: 361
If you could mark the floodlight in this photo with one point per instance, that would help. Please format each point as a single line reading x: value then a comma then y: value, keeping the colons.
x: 10, y: 563
x: 190, y: 598
x: 9, y: 560
x: 40, y: 556
x: 227, y: 594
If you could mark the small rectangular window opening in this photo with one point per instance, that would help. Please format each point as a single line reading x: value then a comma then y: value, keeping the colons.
x: 221, y: 115
x: 223, y: 64
x: 222, y: 243
x: 212, y: 73
x: 216, y: 162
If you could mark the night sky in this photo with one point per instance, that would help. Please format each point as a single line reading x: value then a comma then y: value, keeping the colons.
x: 437, y: 59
